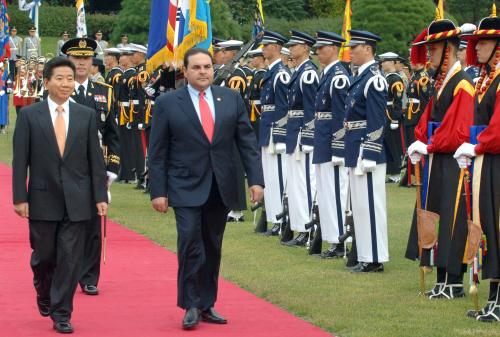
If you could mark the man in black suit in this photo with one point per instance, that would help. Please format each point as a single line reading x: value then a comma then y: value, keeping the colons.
x: 56, y: 141
x: 192, y: 169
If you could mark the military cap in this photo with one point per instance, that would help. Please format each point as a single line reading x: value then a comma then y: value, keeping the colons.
x: 65, y: 32
x: 125, y: 35
x: 440, y: 30
x: 32, y: 29
x: 390, y: 56
x: 79, y: 47
x: 112, y: 51
x: 300, y: 38
x: 230, y: 45
x: 270, y: 37
x: 97, y: 62
x: 137, y: 48
x: 13, y: 28
x: 328, y: 39
x: 98, y: 32
x: 363, y: 37
x: 126, y: 51
x: 285, y: 51
x: 463, y: 45
x: 255, y: 52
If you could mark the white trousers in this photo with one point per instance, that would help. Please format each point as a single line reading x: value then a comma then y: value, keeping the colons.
x: 370, y: 214
x: 274, y: 168
x: 301, y: 189
x: 331, y: 185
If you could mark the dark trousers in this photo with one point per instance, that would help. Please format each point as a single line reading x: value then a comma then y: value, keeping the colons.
x: 91, y: 266
x: 56, y: 262
x: 132, y: 154
x: 199, y: 243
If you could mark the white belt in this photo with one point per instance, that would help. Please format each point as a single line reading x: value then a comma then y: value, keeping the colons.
x: 268, y: 107
x: 355, y: 125
x: 124, y: 103
x: 295, y: 113
x: 415, y: 101
x: 256, y: 101
x: 323, y: 115
x: 390, y: 103
x: 135, y: 101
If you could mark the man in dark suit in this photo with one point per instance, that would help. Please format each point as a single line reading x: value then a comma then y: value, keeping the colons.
x: 192, y: 169
x: 56, y: 141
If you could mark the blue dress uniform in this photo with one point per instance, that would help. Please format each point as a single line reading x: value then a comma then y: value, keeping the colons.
x: 365, y: 157
x: 301, y: 189
x: 274, y: 105
x: 331, y: 178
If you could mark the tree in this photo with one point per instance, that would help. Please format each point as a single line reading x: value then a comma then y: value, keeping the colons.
x: 398, y: 23
x: 133, y: 20
x: 325, y: 8
x: 468, y: 11
x: 224, y: 24
x: 243, y: 10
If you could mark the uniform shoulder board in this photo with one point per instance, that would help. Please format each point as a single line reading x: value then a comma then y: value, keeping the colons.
x: 309, y: 76
x: 379, y: 83
x: 375, y: 70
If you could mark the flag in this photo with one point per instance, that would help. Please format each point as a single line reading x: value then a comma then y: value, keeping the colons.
x: 193, y: 27
x: 32, y: 7
x: 81, y: 25
x: 345, y: 55
x: 258, y: 25
x: 161, y: 33
x: 4, y: 31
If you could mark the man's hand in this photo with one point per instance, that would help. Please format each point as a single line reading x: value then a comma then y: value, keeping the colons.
x: 102, y: 208
x: 22, y: 209
x: 160, y: 204
x: 256, y: 193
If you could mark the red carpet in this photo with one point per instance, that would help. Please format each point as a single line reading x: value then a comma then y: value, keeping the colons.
x: 138, y: 292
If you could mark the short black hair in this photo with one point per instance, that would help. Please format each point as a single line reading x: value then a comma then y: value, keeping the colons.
x: 194, y: 51
x: 57, y: 62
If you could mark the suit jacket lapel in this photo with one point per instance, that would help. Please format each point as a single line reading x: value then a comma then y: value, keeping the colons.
x: 72, y: 128
x: 187, y: 106
x: 47, y: 127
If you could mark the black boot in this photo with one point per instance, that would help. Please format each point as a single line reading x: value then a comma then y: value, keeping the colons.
x: 275, y: 231
x: 453, y: 288
x: 299, y: 241
x: 493, y: 315
x: 336, y: 250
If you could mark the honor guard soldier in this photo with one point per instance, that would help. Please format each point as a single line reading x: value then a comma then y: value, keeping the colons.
x: 61, y: 42
x: 419, y: 92
x: 218, y: 54
x: 101, y: 45
x: 299, y: 138
x: 471, y: 69
x: 128, y: 134
x: 274, y: 106
x: 32, y: 46
x: 123, y: 41
x: 393, y: 134
x: 16, y: 45
x: 484, y: 146
x: 99, y: 97
x: 328, y: 155
x: 285, y: 58
x: 443, y: 127
x: 258, y: 62
x: 114, y: 72
x: 95, y: 73
x: 365, y: 121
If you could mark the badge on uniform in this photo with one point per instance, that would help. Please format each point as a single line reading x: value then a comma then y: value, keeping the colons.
x: 100, y: 98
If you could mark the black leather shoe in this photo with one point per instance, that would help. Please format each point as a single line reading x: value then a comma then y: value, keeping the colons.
x: 211, y: 316
x: 492, y: 316
x: 335, y: 251
x: 275, y: 231
x: 365, y: 267
x: 90, y: 290
x: 299, y: 241
x: 43, y: 306
x: 191, y: 319
x: 483, y: 311
x: 63, y: 327
x: 449, y: 292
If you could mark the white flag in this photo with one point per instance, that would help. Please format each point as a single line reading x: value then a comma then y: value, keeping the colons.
x: 23, y: 6
x: 81, y: 26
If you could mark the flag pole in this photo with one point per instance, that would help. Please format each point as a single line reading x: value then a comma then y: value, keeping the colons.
x: 36, y: 20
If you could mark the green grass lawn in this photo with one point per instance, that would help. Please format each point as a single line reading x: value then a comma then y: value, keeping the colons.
x: 320, y: 291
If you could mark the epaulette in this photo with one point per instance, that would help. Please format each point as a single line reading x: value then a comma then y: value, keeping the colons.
x: 375, y: 70
x: 142, y: 76
x: 104, y: 84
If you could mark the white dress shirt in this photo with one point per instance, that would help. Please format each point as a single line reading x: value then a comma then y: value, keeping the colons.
x: 53, y: 113
x: 85, y: 85
x: 365, y: 66
x: 195, y: 98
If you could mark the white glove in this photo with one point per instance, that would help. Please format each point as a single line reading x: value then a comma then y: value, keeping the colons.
x: 465, y: 150
x: 109, y: 197
x: 463, y: 162
x: 394, y: 125
x: 368, y: 165
x: 338, y: 161
x: 307, y: 148
x: 280, y: 148
x: 9, y: 90
x: 415, y: 158
x: 2, y: 92
x: 111, y: 177
x: 418, y: 147
x: 140, y: 126
x: 150, y: 91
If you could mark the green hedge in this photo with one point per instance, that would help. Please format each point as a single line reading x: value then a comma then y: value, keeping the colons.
x: 54, y: 19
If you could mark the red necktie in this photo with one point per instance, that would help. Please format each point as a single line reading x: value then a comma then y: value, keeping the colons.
x: 207, y: 120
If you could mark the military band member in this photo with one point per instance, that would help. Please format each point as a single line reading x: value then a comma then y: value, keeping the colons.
x: 101, y: 45
x: 328, y: 155
x: 299, y: 138
x: 443, y: 127
x: 126, y: 115
x: 114, y: 73
x: 286, y: 59
x: 61, y: 42
x: 258, y: 62
x: 32, y: 45
x: 393, y: 137
x: 274, y: 106
x: 123, y: 41
x: 16, y: 45
x: 365, y: 120
x: 99, y: 97
x: 486, y: 151
x: 218, y: 53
